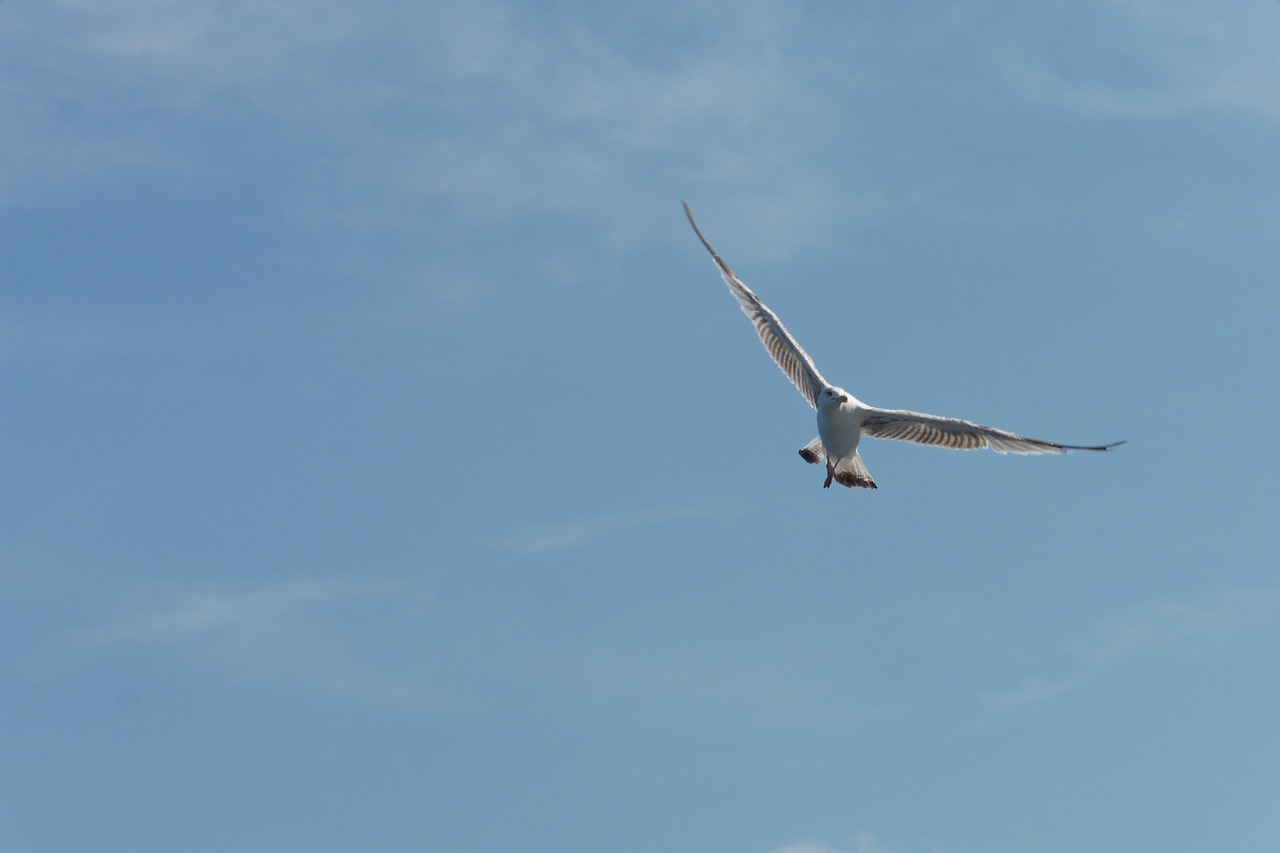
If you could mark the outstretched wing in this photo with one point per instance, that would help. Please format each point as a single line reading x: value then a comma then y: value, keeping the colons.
x: 958, y: 434
x: 793, y: 360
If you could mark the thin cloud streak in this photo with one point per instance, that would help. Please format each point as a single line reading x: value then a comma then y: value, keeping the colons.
x: 152, y: 74
x: 1150, y: 631
x: 578, y: 113
x: 309, y: 634
x: 561, y: 536
x: 237, y: 614
x: 1180, y: 58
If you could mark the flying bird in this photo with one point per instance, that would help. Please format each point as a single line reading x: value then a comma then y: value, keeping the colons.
x: 843, y: 419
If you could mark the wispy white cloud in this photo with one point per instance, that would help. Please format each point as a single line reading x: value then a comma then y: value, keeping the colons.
x: 303, y: 634
x: 393, y: 115
x: 393, y: 132
x: 109, y: 92
x: 559, y: 536
x: 293, y: 61
x: 1154, y: 630
x: 1149, y: 60
x: 499, y: 108
x: 241, y: 616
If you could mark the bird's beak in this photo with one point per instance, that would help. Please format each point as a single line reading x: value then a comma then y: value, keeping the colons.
x: 844, y: 398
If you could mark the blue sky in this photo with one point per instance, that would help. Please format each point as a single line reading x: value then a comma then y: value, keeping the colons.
x: 384, y: 466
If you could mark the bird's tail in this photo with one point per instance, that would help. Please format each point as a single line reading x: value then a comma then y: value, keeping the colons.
x: 850, y: 472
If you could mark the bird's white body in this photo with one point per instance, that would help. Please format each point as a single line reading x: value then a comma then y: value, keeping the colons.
x: 843, y: 419
x: 840, y: 417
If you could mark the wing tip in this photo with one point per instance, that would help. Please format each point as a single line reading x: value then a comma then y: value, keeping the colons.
x: 696, y: 230
x: 1099, y: 447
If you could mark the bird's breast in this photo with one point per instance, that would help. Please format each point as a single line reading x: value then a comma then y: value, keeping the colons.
x: 840, y: 428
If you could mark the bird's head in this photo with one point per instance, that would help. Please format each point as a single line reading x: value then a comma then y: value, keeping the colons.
x: 831, y: 397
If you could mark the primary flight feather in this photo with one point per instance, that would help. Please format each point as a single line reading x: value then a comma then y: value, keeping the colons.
x: 843, y: 419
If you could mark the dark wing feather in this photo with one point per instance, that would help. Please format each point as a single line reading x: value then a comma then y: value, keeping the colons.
x: 959, y: 434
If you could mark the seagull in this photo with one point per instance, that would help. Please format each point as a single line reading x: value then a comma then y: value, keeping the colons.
x: 843, y: 419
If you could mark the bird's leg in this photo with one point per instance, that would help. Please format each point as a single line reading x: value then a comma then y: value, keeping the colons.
x: 831, y: 472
